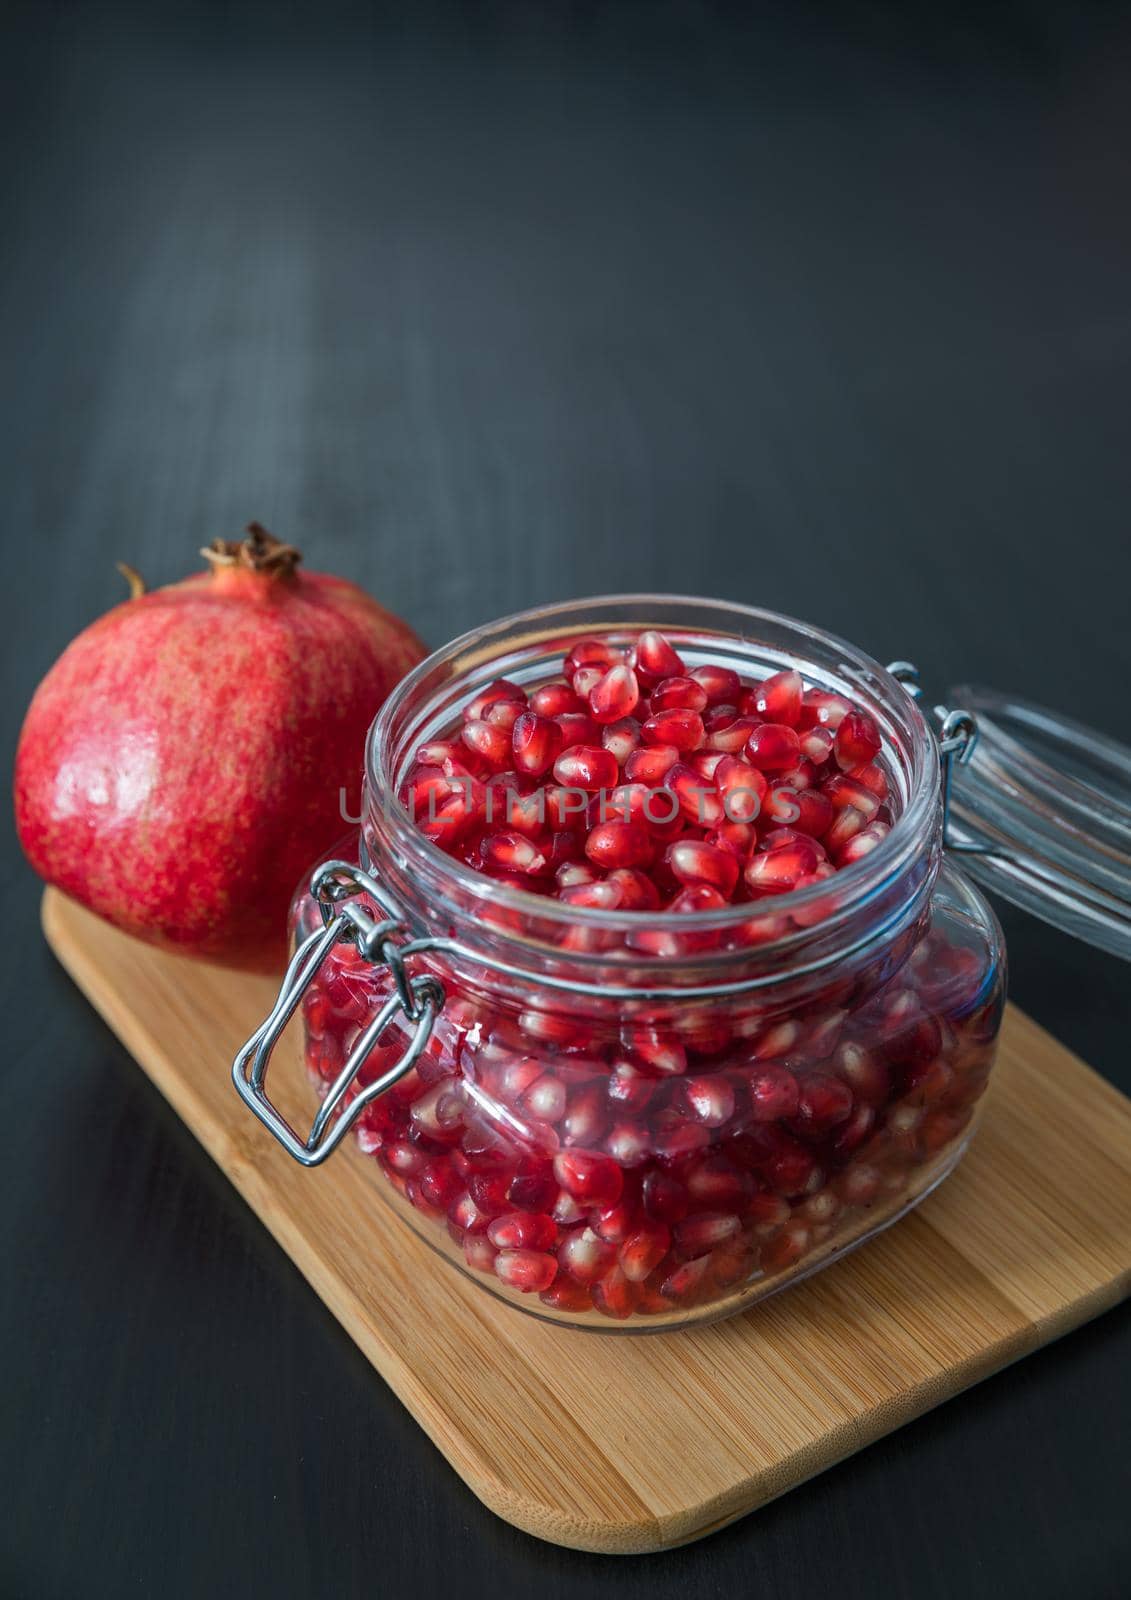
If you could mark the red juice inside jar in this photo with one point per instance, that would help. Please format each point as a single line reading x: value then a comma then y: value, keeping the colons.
x: 670, y: 1144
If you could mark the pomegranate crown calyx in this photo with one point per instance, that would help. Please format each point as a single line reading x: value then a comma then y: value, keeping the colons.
x: 259, y: 552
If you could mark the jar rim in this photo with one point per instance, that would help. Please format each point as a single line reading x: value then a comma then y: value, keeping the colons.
x: 855, y: 884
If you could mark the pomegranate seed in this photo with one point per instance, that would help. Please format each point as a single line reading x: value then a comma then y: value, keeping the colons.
x: 697, y: 798
x: 767, y: 1214
x: 592, y: 896
x: 822, y: 1034
x: 787, y: 1249
x: 439, y: 1184
x: 637, y: 891
x: 591, y: 653
x: 717, y: 717
x: 586, y: 1116
x: 742, y: 789
x: 587, y: 767
x: 873, y: 777
x: 566, y: 1211
x: 654, y: 658
x: 820, y: 709
x: 478, y: 1252
x: 737, y: 837
x: 619, y: 844
x: 706, y: 763
x: 536, y: 742
x: 585, y: 680
x: 844, y: 791
x: 732, y: 738
x: 862, y: 844
x: 522, y: 1230
x: 573, y: 873
x: 778, y: 1040
x: 903, y: 1124
x: 577, y: 728
x: 404, y: 1158
x: 780, y: 870
x: 585, y: 1255
x: 816, y: 745
x: 847, y: 822
x: 677, y: 694
x: 720, y: 684
x: 859, y: 1184
x: 466, y: 1216
x: 595, y: 1180
x: 787, y: 1165
x: 659, y: 1057
x: 651, y: 764
x: 555, y: 700
x: 501, y: 689
x: 665, y: 1198
x: 504, y: 713
x: 437, y: 752
x: 778, y: 698
x: 942, y: 1128
x: 614, y: 695
x: 546, y: 1098
x: 699, y: 1234
x: 824, y: 1102
x: 439, y: 1111
x: 532, y: 1188
x: 772, y: 747
x: 686, y: 1282
x: 492, y: 744
x: 563, y: 1295
x: 715, y: 1184
x: 614, y: 1295
x: 684, y: 729
x: 733, y: 1263
x: 643, y: 1250
x: 564, y: 807
x: 454, y: 816
x: 628, y: 802
x: 693, y: 862
x: 629, y: 1144
x: 616, y: 1223
x: 927, y: 1081
x: 774, y: 1094
x: 852, y: 1134
x: 489, y: 1191
x: 857, y: 740
x: 511, y: 852
x: 814, y: 813
x: 710, y: 1100
x: 629, y: 1089
x: 621, y: 738
x: 530, y: 1271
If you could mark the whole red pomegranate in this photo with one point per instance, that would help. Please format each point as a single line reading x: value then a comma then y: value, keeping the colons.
x: 181, y: 764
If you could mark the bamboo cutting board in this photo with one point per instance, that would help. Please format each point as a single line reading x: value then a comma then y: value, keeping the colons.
x: 629, y: 1445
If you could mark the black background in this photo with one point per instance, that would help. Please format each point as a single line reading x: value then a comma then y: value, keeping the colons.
x: 820, y: 309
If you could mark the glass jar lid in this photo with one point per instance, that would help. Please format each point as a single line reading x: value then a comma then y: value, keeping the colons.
x: 1040, y: 811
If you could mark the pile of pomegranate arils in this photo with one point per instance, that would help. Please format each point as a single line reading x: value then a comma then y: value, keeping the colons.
x: 631, y: 784
x: 664, y: 1169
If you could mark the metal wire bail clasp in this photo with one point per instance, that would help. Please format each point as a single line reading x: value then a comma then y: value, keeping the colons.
x: 419, y: 999
x: 957, y: 738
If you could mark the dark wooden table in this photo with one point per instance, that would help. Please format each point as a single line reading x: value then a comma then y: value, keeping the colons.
x: 486, y: 306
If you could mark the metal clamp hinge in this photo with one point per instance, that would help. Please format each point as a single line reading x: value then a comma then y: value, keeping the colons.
x: 957, y: 737
x: 419, y: 999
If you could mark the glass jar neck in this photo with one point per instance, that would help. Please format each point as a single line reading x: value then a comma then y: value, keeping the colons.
x: 771, y: 949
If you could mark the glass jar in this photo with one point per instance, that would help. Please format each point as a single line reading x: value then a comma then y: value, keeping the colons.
x: 632, y: 1121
